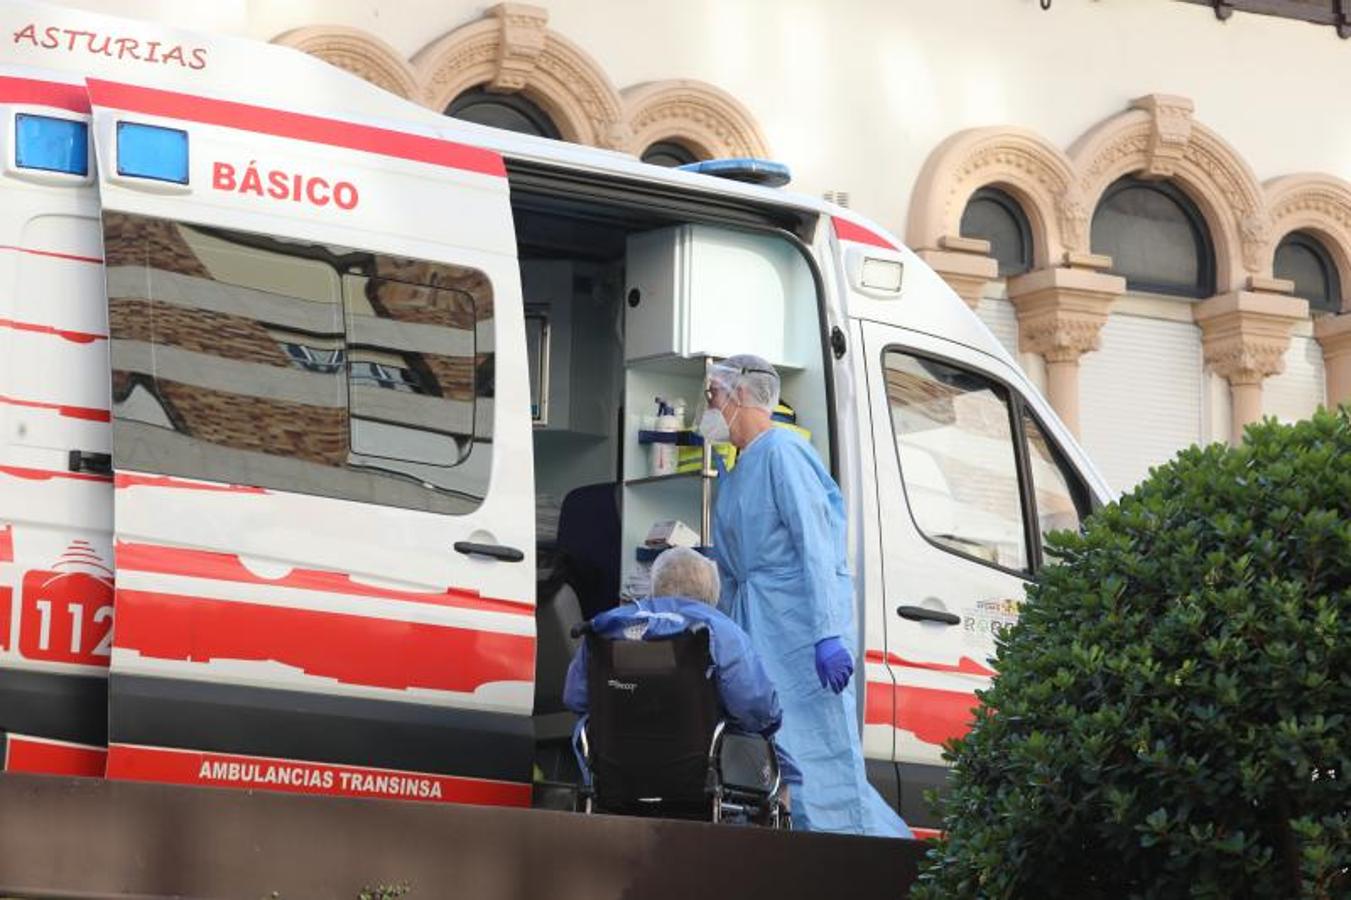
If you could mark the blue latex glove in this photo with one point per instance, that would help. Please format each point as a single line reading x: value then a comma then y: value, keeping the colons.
x: 834, y: 664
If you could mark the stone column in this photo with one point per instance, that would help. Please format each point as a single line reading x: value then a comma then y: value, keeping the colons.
x: 1060, y: 313
x: 1334, y: 334
x: 965, y: 264
x: 1244, y: 335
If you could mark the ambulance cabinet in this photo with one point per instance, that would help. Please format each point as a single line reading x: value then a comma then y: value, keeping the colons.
x: 698, y: 290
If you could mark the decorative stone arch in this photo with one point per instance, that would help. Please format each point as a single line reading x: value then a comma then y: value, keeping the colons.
x: 1157, y: 139
x: 706, y: 119
x: 355, y: 51
x: 1034, y: 172
x: 1320, y: 204
x: 1316, y: 203
x: 511, y: 50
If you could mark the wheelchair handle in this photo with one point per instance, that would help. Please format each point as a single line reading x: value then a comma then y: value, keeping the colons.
x: 580, y: 629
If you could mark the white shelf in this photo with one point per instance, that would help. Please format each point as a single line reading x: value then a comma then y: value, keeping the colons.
x: 657, y: 479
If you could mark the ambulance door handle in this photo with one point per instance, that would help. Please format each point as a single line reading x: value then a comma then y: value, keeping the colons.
x: 496, y: 551
x: 94, y: 463
x: 925, y: 614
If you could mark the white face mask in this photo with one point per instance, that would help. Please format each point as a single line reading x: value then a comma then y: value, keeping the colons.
x: 713, y: 426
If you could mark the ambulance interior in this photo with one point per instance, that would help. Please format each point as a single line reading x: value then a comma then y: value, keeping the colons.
x: 625, y: 305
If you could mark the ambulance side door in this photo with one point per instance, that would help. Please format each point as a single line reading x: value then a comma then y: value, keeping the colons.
x: 967, y: 482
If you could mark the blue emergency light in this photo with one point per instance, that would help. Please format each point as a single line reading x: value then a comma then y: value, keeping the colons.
x: 149, y: 151
x: 764, y: 172
x: 52, y: 145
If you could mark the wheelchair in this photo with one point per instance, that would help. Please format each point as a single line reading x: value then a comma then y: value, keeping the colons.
x: 654, y: 743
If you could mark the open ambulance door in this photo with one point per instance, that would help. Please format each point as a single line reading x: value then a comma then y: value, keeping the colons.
x: 954, y: 545
x: 969, y: 469
x: 323, y: 505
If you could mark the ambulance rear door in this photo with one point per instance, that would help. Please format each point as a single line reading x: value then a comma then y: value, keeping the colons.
x: 321, y: 439
x: 56, y: 495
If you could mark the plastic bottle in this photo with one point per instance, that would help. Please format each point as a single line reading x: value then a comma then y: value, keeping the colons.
x: 663, y: 454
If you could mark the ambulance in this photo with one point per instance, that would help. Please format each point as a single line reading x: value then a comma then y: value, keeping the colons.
x: 325, y: 416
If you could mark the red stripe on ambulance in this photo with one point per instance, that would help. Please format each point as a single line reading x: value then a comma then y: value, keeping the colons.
x: 228, y: 567
x: 57, y: 94
x: 7, y: 544
x: 46, y: 757
x: 28, y: 474
x: 932, y: 715
x: 965, y: 666
x: 75, y: 337
x: 207, y: 769
x: 53, y: 254
x: 297, y: 126
x: 88, y: 413
x: 124, y: 480
x: 846, y: 230
x: 6, y: 606
x: 357, y: 650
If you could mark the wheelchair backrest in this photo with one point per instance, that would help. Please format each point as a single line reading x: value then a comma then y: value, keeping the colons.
x: 653, y: 711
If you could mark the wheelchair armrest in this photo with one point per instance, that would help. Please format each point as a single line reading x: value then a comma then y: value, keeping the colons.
x: 715, y: 745
x: 581, y: 748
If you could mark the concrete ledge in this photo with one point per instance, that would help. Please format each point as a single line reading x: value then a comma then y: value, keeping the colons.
x: 74, y: 837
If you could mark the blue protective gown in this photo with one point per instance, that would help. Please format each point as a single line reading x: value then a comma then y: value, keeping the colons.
x: 779, y: 539
x: 749, y: 701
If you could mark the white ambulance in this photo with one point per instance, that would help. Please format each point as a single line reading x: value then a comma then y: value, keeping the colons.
x: 323, y: 418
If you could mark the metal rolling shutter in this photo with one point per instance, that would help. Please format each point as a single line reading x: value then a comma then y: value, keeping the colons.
x: 1000, y: 317
x: 1140, y: 396
x: 1297, y: 392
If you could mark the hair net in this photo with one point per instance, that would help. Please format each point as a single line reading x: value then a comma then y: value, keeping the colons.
x: 750, y: 379
x: 682, y: 572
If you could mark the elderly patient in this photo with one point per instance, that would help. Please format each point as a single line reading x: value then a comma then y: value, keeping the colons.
x: 685, y: 589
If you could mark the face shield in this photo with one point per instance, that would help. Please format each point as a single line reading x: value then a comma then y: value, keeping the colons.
x: 737, y: 382
x: 748, y: 381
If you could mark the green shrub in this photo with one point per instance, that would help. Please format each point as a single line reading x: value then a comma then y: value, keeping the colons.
x: 1171, y: 714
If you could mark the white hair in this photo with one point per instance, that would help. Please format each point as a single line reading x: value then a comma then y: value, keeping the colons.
x: 682, y: 572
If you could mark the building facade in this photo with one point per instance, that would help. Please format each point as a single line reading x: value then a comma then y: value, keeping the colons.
x: 1147, y: 201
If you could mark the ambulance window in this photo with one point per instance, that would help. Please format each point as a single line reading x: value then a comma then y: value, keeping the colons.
x: 1062, y: 498
x: 955, y: 441
x: 260, y: 361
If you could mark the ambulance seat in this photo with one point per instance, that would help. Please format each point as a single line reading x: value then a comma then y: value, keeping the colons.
x: 557, y: 612
x: 588, y: 546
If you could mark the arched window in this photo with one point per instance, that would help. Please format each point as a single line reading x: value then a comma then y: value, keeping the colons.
x: 994, y: 216
x: 1303, y: 259
x: 669, y: 154
x: 1156, y: 237
x: 512, y: 112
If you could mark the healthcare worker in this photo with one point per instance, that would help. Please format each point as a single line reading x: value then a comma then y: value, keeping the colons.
x: 779, y: 540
